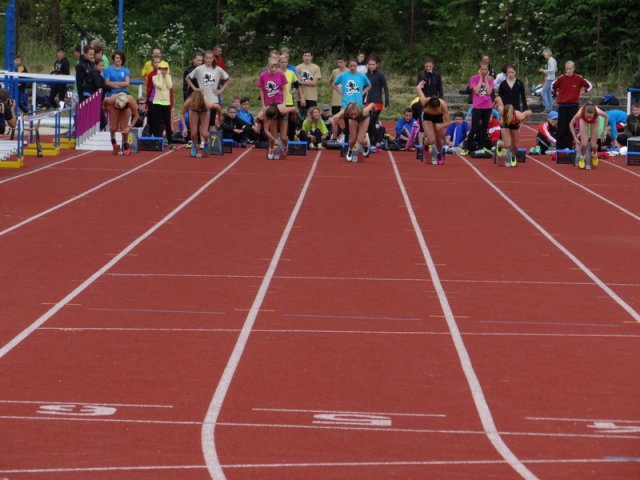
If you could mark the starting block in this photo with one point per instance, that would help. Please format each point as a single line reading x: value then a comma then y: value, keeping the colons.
x: 566, y: 156
x: 150, y: 144
x: 633, y: 151
x: 298, y: 149
x: 227, y: 145
x: 521, y: 155
x: 17, y: 163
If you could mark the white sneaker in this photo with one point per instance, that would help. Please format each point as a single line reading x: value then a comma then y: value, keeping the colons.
x: 349, y: 155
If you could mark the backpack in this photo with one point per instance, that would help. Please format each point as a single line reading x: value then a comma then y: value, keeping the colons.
x: 610, y: 99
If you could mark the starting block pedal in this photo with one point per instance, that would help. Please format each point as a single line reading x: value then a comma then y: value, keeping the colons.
x: 17, y: 163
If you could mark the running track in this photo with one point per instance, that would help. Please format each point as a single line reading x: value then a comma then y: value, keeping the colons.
x: 231, y: 317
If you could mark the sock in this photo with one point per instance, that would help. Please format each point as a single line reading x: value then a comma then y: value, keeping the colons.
x: 113, y: 140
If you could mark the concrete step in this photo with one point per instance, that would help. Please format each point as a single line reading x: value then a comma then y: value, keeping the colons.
x: 98, y: 141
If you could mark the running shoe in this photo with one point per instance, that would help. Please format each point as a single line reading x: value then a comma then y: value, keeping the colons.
x: 285, y: 150
x: 312, y: 146
x: 349, y: 155
x: 189, y: 144
x: 441, y: 158
x: 588, y: 167
x: 434, y: 160
x: 514, y: 161
x: 581, y: 163
x: 366, y: 151
x: 320, y: 146
x: 594, y: 161
x: 373, y: 149
x: 116, y: 148
x: 194, y: 151
x: 126, y: 150
x: 205, y: 147
x: 270, y: 153
x: 464, y: 153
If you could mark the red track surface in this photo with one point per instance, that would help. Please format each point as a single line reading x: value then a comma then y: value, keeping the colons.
x: 350, y: 369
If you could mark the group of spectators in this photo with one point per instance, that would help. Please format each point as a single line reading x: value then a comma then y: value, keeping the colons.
x: 289, y: 106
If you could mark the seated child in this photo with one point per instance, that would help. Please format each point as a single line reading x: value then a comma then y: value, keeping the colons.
x: 546, y: 136
x: 456, y: 133
x: 233, y: 127
x: 314, y: 130
x: 403, y: 127
x: 632, y: 126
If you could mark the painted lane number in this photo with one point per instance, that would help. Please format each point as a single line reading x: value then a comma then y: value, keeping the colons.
x: 357, y: 419
x: 611, y: 427
x: 77, y: 410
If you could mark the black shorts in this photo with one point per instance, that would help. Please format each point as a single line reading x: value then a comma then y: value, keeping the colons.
x: 432, y: 118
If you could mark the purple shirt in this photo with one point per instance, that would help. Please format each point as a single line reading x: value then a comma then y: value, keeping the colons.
x: 483, y: 98
x: 272, y: 86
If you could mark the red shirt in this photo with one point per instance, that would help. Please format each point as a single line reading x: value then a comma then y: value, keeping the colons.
x: 568, y: 88
x: 220, y: 62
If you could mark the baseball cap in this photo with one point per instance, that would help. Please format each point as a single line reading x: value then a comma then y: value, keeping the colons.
x: 163, y: 64
x: 553, y: 115
x: 326, y: 106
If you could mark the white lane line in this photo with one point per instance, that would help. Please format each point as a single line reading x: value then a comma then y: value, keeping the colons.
x: 550, y: 461
x: 364, y: 279
x: 154, y: 310
x: 123, y: 253
x: 47, y: 402
x: 440, y: 431
x: 79, y: 196
x: 209, y: 424
x: 627, y: 170
x: 349, y: 332
x: 296, y: 410
x: 589, y: 273
x: 479, y: 399
x: 350, y: 317
x: 586, y: 189
x: 561, y: 419
x: 562, y: 324
x: 31, y: 172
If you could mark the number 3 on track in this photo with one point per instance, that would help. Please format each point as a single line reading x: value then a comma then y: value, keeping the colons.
x: 77, y: 410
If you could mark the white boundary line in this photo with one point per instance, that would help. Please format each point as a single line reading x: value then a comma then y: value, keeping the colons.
x: 123, y: 253
x: 81, y: 195
x: 209, y: 423
x: 317, y: 464
x: 479, y: 399
x: 604, y: 161
x: 15, y: 177
x: 45, y: 402
x: 588, y: 190
x: 613, y: 295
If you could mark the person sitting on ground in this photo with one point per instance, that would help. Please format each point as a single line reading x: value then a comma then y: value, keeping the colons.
x: 456, y: 133
x: 250, y: 125
x: 314, y: 129
x: 632, y: 127
x: 142, y: 116
x: 404, y: 126
x: 547, y: 134
x: 123, y: 113
x: 233, y: 127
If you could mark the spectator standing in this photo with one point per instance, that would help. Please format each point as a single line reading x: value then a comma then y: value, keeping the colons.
x: 485, y: 59
x: 160, y: 112
x: 568, y: 88
x: 117, y: 76
x: 549, y: 71
x: 361, y: 59
x: 309, y: 75
x: 23, y: 95
x: 85, y: 80
x: 336, y: 97
x: 60, y: 67
x: 481, y: 86
x: 378, y: 94
x: 196, y: 61
x: 156, y: 53
x: 432, y: 80
x: 512, y: 90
